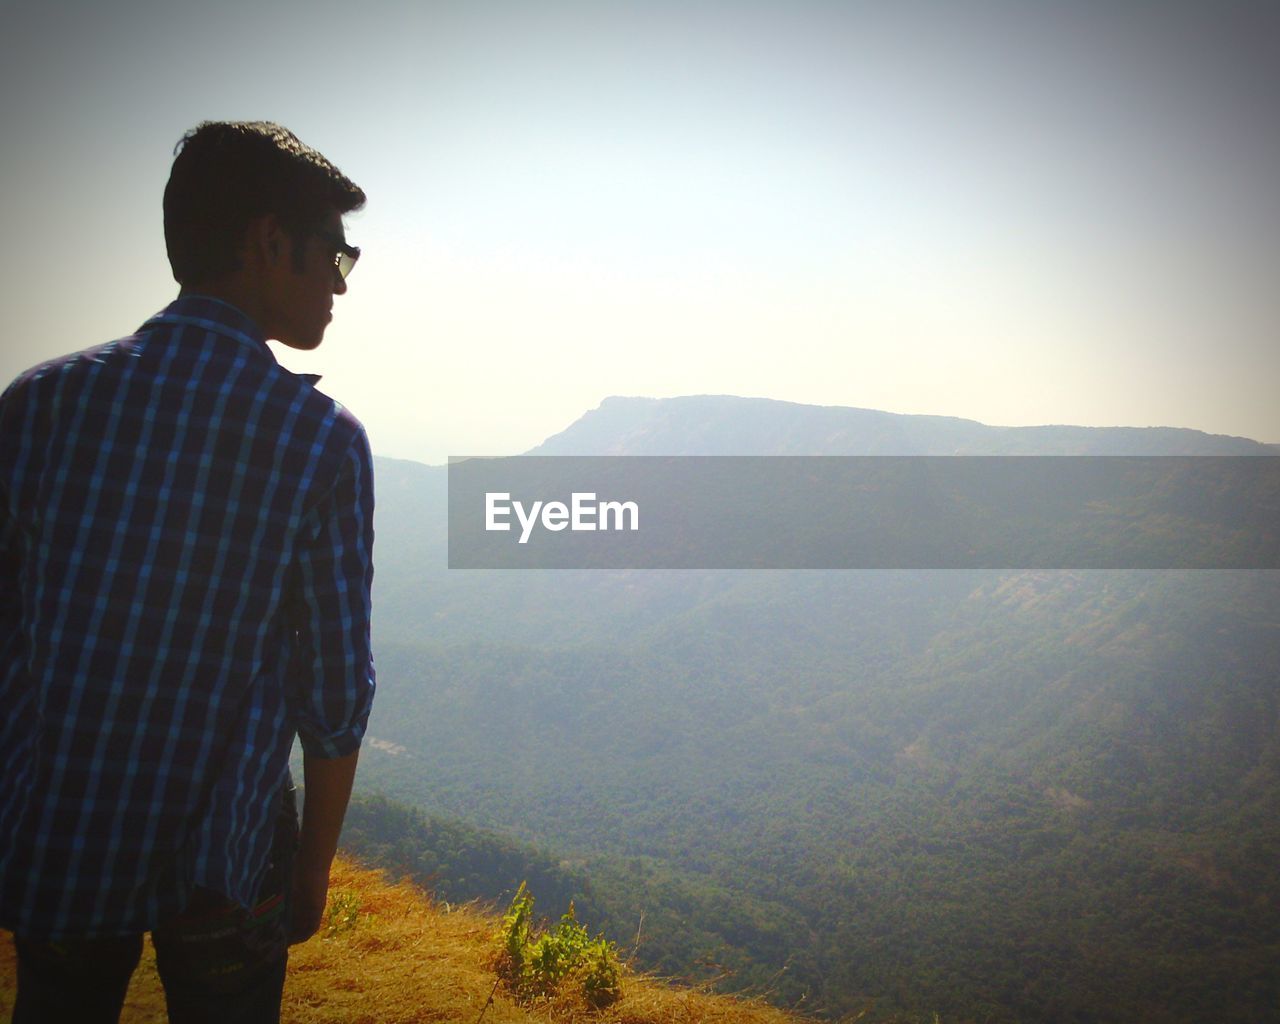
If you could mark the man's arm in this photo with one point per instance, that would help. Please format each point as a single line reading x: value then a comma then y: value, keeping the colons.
x: 327, y: 788
x: 331, y: 675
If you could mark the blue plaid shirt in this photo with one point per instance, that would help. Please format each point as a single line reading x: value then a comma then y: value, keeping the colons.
x: 185, y: 541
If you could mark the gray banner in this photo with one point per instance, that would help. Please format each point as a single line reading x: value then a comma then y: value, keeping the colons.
x: 856, y: 512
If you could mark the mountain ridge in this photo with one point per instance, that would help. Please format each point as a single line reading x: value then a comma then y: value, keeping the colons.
x: 734, y: 425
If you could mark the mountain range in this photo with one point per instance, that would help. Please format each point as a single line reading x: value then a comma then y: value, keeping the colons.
x: 1031, y: 796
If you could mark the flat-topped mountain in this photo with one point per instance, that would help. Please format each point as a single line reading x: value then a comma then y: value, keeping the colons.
x: 728, y: 425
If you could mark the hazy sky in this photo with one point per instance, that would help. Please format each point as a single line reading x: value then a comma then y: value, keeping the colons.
x: 1019, y: 213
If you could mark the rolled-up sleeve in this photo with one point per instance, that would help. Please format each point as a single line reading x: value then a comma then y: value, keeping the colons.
x: 331, y: 674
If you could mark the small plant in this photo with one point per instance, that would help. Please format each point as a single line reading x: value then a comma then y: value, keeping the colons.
x: 536, y: 967
x: 342, y: 914
x: 601, y: 981
x: 513, y: 960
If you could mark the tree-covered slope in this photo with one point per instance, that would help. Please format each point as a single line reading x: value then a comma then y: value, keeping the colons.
x: 917, y: 798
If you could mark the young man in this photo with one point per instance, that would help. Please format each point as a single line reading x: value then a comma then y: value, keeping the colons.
x: 185, y: 557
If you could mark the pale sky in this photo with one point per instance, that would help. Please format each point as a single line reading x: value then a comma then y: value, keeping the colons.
x: 1018, y: 213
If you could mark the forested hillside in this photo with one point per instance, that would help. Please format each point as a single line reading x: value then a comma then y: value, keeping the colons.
x: 1000, y: 796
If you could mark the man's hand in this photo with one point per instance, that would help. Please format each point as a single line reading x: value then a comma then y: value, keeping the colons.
x: 326, y: 788
x: 306, y: 906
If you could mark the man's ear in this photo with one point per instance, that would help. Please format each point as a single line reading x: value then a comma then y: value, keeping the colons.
x: 266, y: 242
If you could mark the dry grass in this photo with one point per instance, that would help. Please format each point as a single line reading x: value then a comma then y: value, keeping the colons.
x: 406, y: 960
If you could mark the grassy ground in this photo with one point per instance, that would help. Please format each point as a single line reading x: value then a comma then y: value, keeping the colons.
x: 388, y: 955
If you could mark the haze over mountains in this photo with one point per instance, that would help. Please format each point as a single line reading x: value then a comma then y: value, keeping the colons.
x: 995, y: 795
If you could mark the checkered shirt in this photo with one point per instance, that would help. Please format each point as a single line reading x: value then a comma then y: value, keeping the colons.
x: 185, y: 570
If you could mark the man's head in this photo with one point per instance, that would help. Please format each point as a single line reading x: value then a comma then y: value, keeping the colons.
x: 248, y: 198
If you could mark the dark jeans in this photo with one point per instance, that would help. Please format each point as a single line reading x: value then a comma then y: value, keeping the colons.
x: 217, y: 961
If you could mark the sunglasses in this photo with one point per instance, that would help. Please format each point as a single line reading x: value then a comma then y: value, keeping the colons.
x: 344, y: 257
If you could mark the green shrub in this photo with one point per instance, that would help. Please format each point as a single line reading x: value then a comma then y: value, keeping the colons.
x: 342, y: 913
x: 535, y: 967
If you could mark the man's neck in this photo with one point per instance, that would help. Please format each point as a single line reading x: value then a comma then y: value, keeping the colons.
x: 233, y: 293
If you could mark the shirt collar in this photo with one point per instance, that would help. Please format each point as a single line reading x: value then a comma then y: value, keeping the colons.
x: 210, y: 314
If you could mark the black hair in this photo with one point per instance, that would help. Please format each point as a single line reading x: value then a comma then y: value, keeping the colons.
x: 227, y: 173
